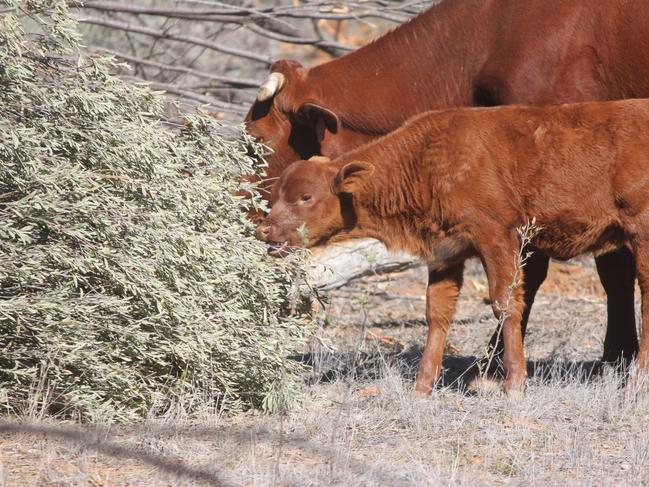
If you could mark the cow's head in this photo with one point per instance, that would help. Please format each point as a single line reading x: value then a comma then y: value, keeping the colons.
x: 289, y: 117
x: 312, y: 204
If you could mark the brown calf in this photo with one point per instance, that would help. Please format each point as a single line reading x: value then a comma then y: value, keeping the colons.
x: 450, y: 185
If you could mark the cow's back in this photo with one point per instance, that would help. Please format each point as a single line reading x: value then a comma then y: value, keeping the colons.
x: 562, y: 51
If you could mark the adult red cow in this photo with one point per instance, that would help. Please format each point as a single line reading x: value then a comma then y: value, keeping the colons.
x: 463, y: 53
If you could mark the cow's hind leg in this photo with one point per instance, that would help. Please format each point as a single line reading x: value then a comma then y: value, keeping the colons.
x: 441, y: 298
x: 617, y: 273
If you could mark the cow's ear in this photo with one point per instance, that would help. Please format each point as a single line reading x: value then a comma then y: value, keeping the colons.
x: 352, y: 176
x: 319, y: 118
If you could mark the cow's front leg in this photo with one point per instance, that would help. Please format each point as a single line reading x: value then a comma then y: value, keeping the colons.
x: 441, y: 297
x: 499, y: 251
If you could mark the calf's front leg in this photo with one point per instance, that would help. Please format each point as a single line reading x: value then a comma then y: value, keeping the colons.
x: 441, y: 297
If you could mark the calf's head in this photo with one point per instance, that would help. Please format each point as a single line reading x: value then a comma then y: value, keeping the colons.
x: 313, y: 204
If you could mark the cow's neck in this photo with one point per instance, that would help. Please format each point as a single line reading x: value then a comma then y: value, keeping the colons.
x: 427, y: 63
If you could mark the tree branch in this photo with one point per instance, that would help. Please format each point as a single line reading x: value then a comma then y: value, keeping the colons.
x: 187, y: 33
x: 207, y: 100
x: 234, y: 82
x: 123, y: 26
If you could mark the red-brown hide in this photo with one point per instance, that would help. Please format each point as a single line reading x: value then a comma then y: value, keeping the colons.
x: 470, y: 53
x: 457, y: 53
x: 453, y: 184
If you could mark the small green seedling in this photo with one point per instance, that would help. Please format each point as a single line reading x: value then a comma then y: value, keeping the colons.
x: 304, y: 234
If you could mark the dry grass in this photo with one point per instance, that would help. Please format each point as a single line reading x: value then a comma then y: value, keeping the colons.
x: 360, y: 426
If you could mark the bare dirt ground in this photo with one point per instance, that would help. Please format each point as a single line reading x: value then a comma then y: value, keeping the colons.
x: 358, y: 424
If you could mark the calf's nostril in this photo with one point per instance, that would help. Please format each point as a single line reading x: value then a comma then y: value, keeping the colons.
x: 263, y: 231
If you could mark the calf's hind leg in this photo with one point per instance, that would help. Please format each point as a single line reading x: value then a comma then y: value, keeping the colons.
x: 498, y: 251
x: 641, y: 253
x: 617, y: 274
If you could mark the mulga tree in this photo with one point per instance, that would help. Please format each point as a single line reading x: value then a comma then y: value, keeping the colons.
x: 130, y: 278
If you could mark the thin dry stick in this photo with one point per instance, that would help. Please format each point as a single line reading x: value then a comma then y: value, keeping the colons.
x: 526, y: 234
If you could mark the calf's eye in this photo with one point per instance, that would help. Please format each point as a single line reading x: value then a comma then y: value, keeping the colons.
x: 305, y: 198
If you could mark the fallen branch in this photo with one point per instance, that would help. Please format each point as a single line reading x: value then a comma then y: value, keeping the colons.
x: 336, y: 265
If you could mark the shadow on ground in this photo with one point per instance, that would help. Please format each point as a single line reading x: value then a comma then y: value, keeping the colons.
x: 459, y: 370
x: 104, y: 442
x: 95, y: 441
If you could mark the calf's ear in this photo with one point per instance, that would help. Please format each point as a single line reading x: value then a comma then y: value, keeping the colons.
x: 352, y: 176
x: 319, y: 118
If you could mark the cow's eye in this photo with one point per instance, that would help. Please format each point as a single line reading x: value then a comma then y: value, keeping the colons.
x: 305, y: 198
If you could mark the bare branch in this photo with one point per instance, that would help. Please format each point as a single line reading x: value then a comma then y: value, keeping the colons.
x: 299, y: 40
x: 241, y: 15
x: 211, y: 52
x: 235, y: 82
x: 160, y: 34
x: 206, y: 100
x: 189, y: 14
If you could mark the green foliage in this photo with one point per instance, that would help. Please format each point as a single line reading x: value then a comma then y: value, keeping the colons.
x: 129, y: 275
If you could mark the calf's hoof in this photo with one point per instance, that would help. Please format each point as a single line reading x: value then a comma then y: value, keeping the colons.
x: 514, y: 394
x: 421, y: 391
x: 637, y: 384
x: 483, y: 385
x: 419, y: 396
x: 515, y: 387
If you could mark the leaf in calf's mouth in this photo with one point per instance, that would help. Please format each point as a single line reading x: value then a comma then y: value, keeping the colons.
x: 279, y: 249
